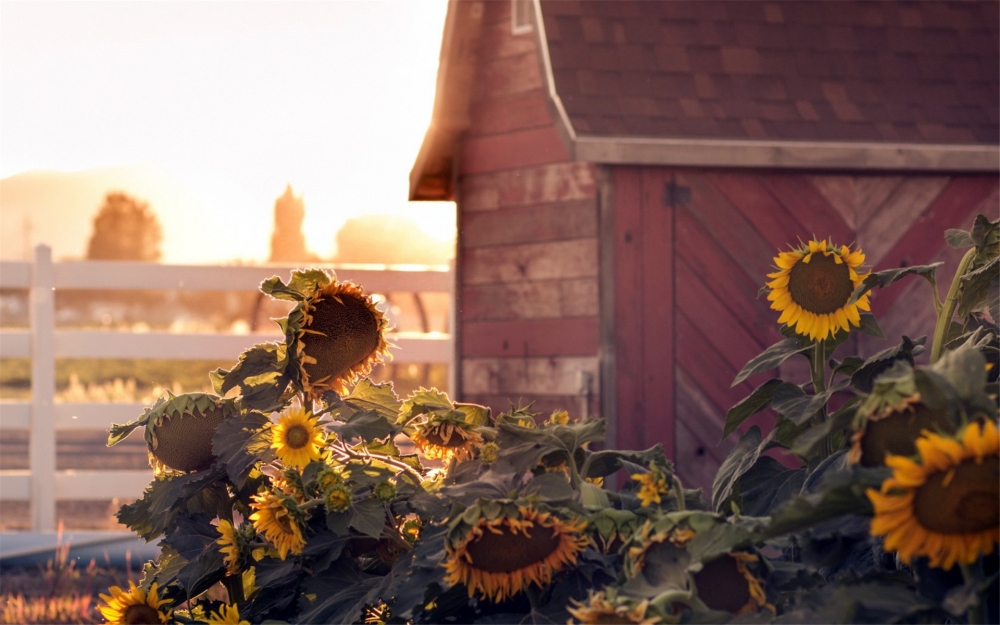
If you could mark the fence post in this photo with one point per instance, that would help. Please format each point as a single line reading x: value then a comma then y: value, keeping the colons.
x: 42, y: 436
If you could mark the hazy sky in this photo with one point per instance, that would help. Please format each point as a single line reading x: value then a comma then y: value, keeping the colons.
x: 231, y: 99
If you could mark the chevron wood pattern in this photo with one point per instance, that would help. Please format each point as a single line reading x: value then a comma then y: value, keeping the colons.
x: 713, y: 253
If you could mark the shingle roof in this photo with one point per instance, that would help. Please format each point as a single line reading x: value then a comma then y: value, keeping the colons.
x: 916, y: 72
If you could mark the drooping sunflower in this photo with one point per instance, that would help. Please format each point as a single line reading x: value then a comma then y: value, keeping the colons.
x: 297, y: 438
x: 226, y: 615
x: 273, y: 518
x: 727, y: 584
x: 600, y: 608
x: 501, y: 556
x: 446, y: 437
x: 135, y: 605
x: 946, y: 504
x: 231, y: 545
x: 894, y: 430
x: 812, y: 289
x: 341, y: 337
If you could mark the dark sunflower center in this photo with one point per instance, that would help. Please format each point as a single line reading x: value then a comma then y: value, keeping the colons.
x: 821, y: 286
x: 297, y: 436
x: 607, y: 618
x: 349, y: 334
x: 434, y: 437
x: 141, y: 614
x: 722, y: 586
x: 506, y: 552
x: 970, y: 502
x: 898, y: 432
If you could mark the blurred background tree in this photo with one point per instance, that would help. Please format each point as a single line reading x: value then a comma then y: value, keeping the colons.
x: 288, y: 243
x: 125, y: 228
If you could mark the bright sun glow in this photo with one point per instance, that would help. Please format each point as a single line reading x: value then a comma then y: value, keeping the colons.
x: 214, y: 107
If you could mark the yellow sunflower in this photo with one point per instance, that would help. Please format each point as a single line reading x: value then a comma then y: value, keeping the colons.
x: 653, y: 484
x: 226, y: 615
x: 946, y: 505
x: 499, y: 558
x: 230, y: 545
x: 134, y: 606
x: 341, y: 337
x: 297, y: 437
x: 441, y: 437
x: 273, y: 519
x: 601, y: 609
x: 813, y: 286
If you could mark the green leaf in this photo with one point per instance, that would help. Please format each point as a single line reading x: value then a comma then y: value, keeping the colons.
x: 757, y: 401
x: 886, y: 277
x: 807, y: 442
x: 193, y: 538
x: 976, y: 287
x: 870, y: 326
x: 240, y: 442
x: 961, y: 599
x: 302, y: 284
x: 772, y: 357
x: 768, y: 484
x: 795, y: 405
x: 261, y: 375
x: 550, y: 487
x: 381, y: 398
x: 864, y: 378
x: 423, y: 401
x: 604, y: 463
x: 742, y: 457
x: 280, y: 578
x: 368, y: 425
x: 475, y: 415
x: 718, y: 539
x: 593, y: 497
x: 368, y: 517
x: 958, y: 239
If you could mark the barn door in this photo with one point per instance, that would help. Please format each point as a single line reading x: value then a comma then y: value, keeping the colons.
x: 688, y: 257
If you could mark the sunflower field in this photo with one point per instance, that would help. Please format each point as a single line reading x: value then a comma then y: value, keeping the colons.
x: 302, y: 492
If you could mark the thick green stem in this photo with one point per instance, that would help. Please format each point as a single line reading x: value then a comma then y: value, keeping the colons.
x: 819, y: 367
x: 678, y: 492
x: 950, y: 303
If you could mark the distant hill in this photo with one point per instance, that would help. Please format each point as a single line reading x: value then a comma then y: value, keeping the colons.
x: 58, y: 207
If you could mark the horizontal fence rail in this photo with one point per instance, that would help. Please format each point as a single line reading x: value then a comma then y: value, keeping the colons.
x: 43, y: 343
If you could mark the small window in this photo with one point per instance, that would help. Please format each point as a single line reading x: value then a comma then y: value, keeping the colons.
x: 520, y: 16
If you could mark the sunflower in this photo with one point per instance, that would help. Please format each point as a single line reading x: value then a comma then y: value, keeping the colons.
x: 135, y: 606
x: 297, y: 437
x: 895, y: 429
x: 599, y: 608
x: 274, y: 520
x: 337, y: 498
x: 946, y: 505
x: 445, y: 437
x: 727, y: 584
x: 498, y: 558
x: 341, y: 337
x: 653, y: 484
x: 231, y: 545
x: 812, y: 288
x: 226, y: 615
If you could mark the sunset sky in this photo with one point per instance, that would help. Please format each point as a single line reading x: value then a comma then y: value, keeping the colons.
x: 226, y: 103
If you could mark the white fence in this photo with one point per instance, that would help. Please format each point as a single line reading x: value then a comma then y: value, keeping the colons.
x: 43, y: 343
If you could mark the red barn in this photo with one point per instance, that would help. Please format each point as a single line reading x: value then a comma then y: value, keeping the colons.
x: 625, y: 171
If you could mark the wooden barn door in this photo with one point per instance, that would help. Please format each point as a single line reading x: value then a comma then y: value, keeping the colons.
x: 690, y: 252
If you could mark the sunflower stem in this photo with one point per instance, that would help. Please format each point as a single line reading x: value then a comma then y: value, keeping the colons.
x: 950, y: 303
x: 678, y: 492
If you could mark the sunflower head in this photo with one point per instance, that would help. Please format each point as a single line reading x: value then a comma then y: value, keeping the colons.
x: 226, y: 615
x: 297, y: 438
x: 337, y: 497
x: 136, y: 605
x: 447, y: 436
x: 728, y: 584
x: 812, y: 289
x: 497, y: 551
x: 945, y: 505
x: 232, y: 543
x: 277, y: 518
x: 652, y: 485
x: 605, y: 607
x: 179, y: 430
x: 894, y: 429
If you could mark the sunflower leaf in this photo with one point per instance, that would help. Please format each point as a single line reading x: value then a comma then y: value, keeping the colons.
x: 757, y: 401
x: 367, y: 425
x: 381, y: 398
x: 193, y: 537
x: 772, y: 357
x: 740, y: 459
x: 886, y: 277
x: 958, y: 239
x: 870, y: 326
x: 240, y: 442
x: 864, y: 378
x: 976, y: 287
x: 806, y: 443
x: 368, y: 517
x: 604, y: 463
x: 280, y: 578
x: 301, y: 285
x: 423, y: 401
x: 768, y: 484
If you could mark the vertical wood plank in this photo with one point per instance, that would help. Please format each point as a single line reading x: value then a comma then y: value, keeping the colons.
x: 42, y: 441
x: 658, y: 311
x: 628, y: 289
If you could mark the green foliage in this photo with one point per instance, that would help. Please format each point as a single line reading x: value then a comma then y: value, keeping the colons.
x: 377, y: 521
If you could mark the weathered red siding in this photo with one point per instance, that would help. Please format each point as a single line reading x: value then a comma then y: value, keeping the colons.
x: 686, y: 281
x: 527, y: 225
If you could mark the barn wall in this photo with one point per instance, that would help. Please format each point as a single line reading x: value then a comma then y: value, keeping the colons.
x: 527, y: 236
x: 714, y: 251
